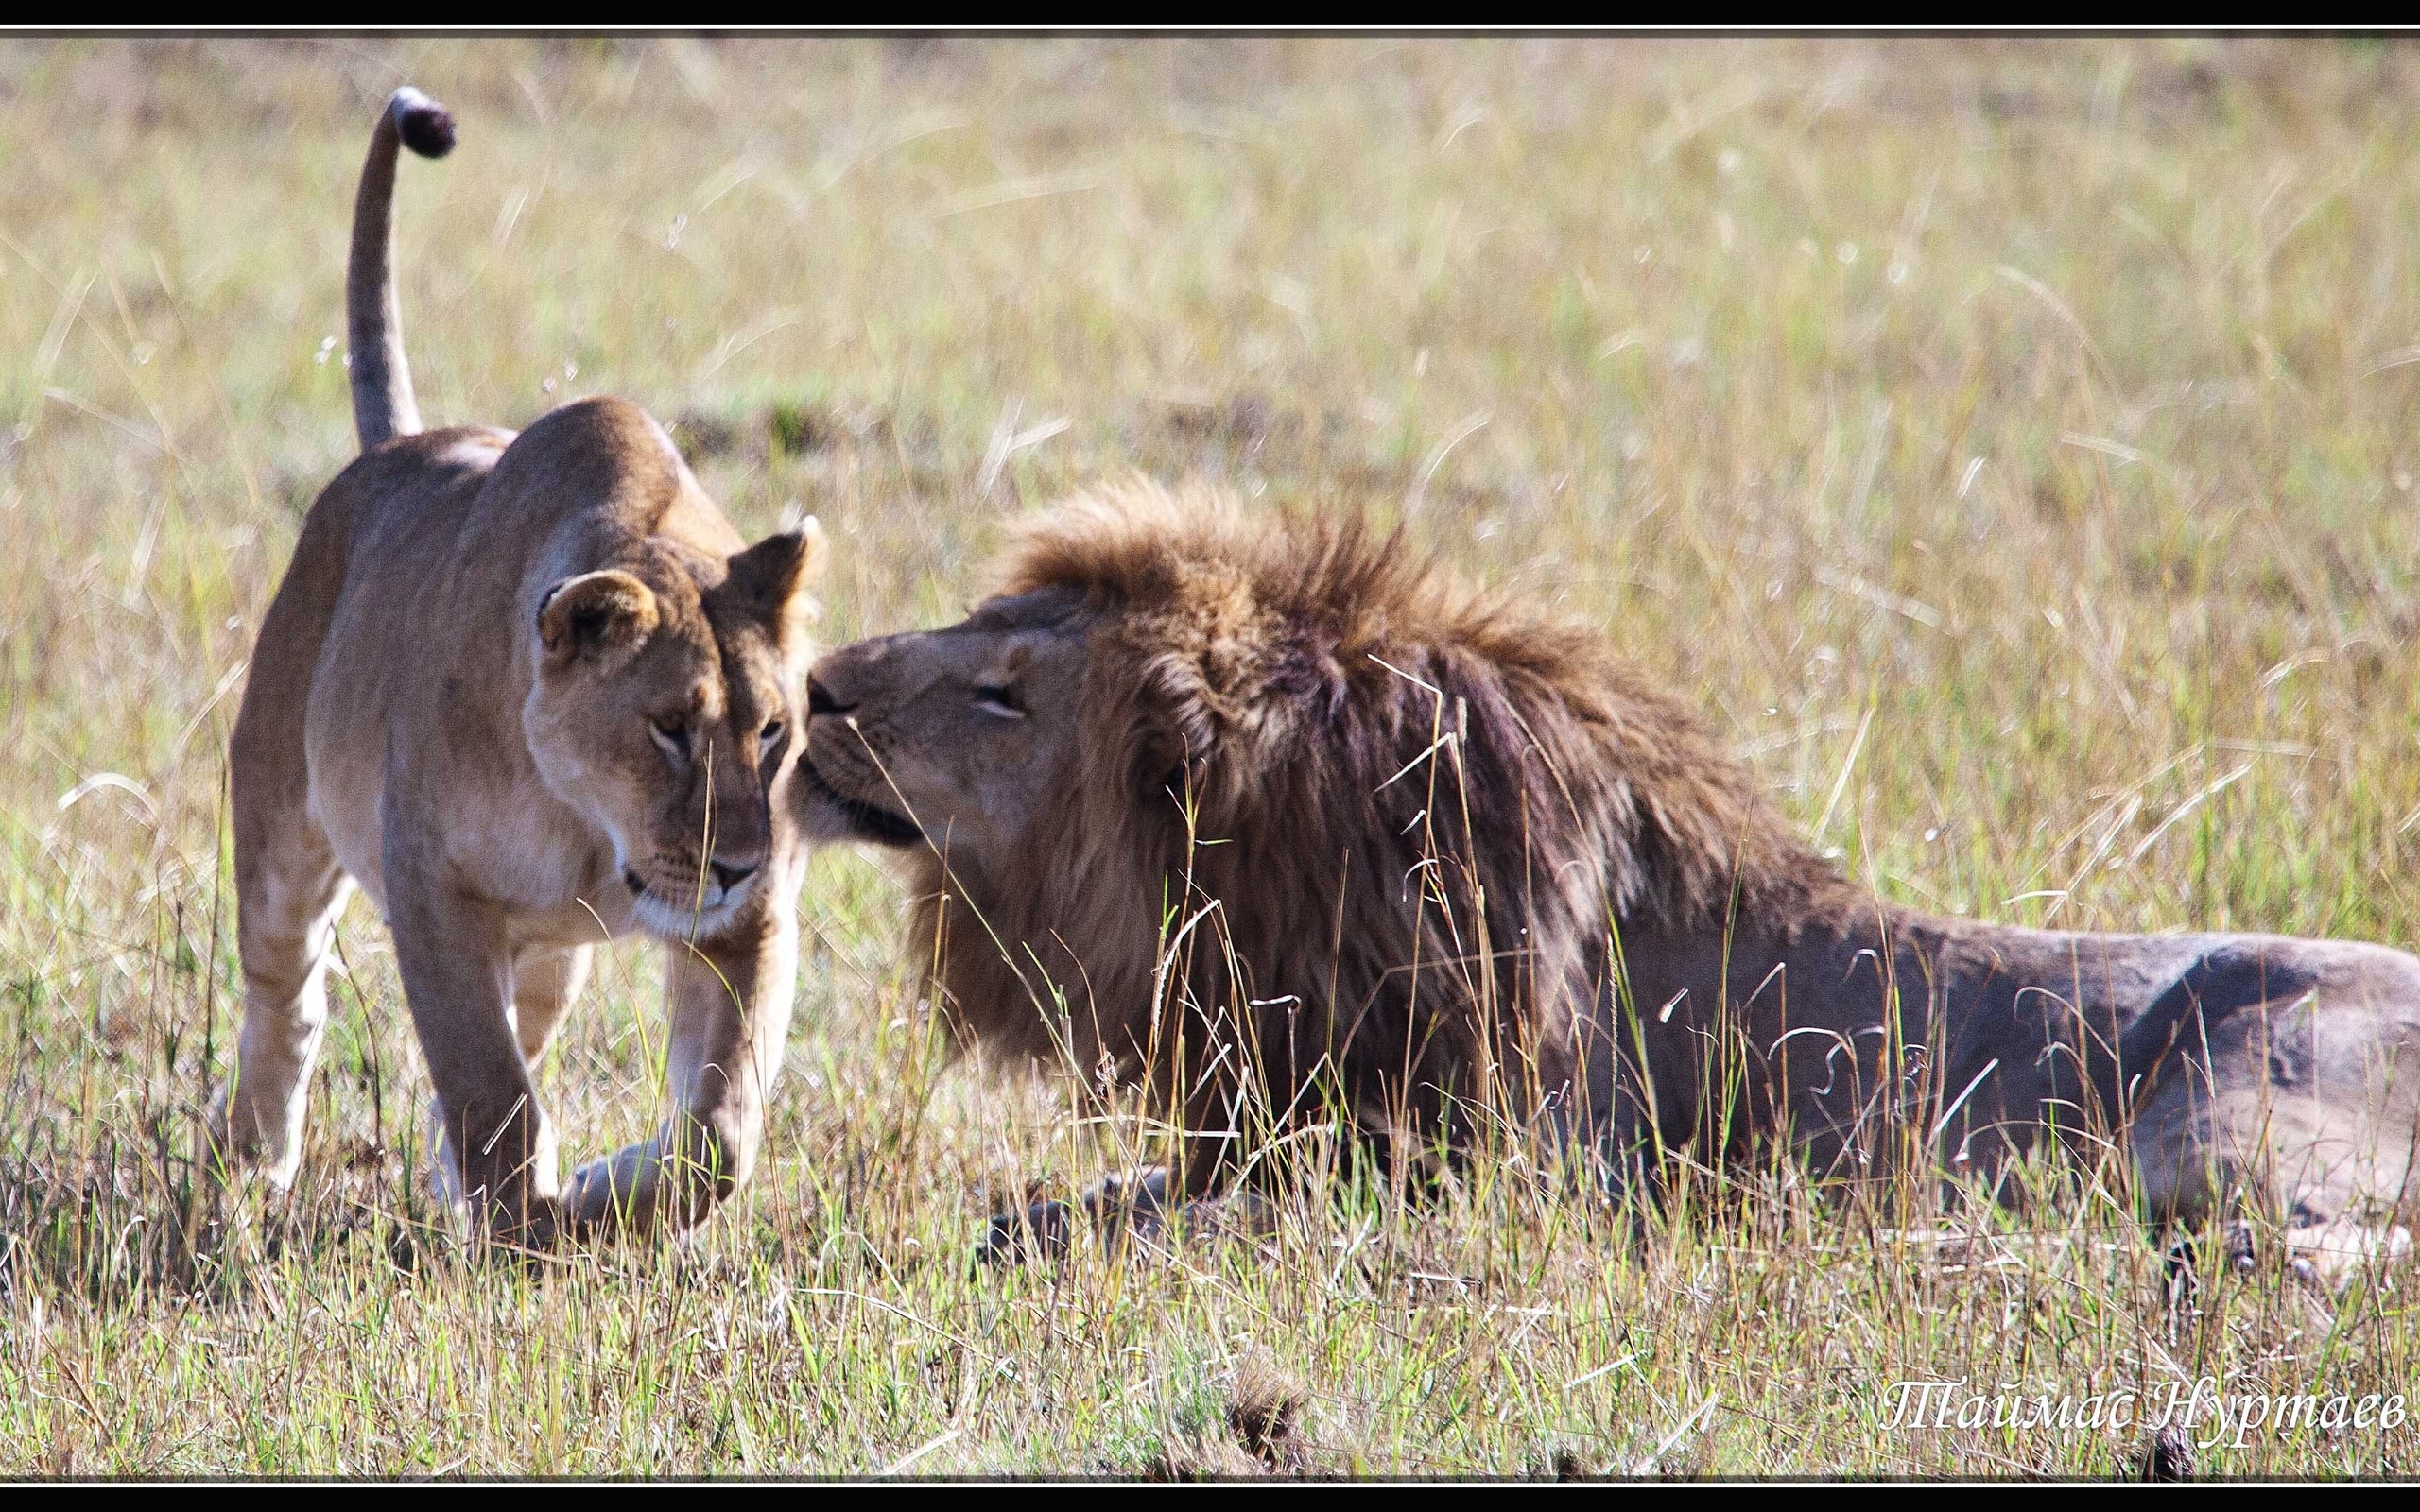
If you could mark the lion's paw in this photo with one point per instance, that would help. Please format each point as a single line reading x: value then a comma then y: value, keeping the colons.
x: 1040, y: 1232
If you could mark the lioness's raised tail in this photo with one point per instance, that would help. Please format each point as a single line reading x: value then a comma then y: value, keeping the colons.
x: 383, y: 408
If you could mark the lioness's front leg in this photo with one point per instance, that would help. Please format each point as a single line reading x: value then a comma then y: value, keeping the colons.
x: 731, y: 1015
x: 451, y: 951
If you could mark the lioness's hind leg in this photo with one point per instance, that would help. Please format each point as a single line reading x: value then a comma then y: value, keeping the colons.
x: 288, y: 887
x: 289, y: 891
x: 547, y: 979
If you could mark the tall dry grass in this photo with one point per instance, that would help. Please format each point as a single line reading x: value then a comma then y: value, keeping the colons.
x: 2009, y: 443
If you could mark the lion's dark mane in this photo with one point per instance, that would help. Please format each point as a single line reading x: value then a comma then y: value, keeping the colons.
x: 1338, y: 822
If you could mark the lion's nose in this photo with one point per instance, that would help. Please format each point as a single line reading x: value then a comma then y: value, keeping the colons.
x: 731, y: 876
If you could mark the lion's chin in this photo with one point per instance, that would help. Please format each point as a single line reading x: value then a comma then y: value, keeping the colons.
x: 830, y: 816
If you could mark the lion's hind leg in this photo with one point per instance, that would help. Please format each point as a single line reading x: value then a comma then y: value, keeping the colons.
x: 2272, y: 1121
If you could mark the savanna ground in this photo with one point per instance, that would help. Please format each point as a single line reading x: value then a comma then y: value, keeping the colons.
x: 2009, y: 445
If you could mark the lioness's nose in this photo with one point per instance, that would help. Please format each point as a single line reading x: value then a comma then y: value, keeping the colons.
x: 731, y: 876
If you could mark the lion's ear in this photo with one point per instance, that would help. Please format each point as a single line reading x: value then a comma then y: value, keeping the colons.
x: 773, y: 575
x: 1175, y: 726
x: 1167, y: 775
x: 603, y: 615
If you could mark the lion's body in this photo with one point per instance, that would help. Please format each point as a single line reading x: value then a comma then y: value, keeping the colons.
x: 448, y: 705
x: 1324, y: 824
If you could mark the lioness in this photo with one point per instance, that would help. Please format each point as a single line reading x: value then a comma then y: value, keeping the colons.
x: 1266, y: 815
x: 529, y: 691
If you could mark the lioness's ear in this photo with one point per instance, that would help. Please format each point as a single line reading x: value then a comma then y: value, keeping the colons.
x: 773, y: 575
x: 603, y: 614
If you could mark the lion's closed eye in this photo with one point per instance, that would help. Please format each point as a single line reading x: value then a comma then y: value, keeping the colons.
x: 998, y: 701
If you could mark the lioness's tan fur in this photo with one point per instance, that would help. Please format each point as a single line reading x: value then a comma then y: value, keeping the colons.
x: 1324, y: 831
x: 528, y: 692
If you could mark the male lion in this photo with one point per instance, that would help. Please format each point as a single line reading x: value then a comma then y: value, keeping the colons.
x: 530, y: 692
x: 1267, y: 817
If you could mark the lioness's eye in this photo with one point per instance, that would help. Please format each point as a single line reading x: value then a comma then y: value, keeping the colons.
x: 671, y: 734
x: 998, y: 701
x: 770, y: 735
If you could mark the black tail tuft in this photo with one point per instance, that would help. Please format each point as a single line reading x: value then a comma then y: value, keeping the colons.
x: 426, y: 127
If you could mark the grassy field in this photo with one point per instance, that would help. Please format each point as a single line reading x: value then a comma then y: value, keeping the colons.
x: 2011, y: 445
